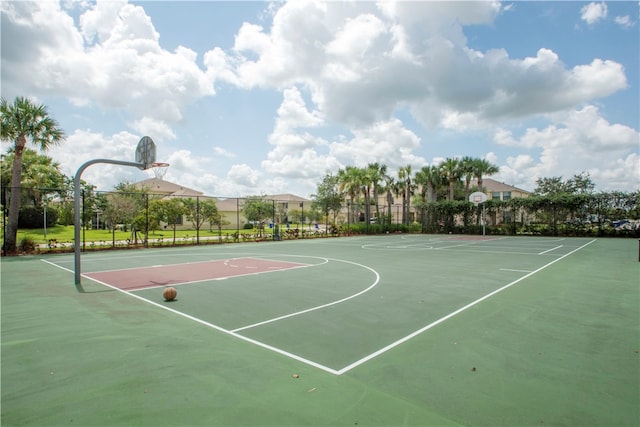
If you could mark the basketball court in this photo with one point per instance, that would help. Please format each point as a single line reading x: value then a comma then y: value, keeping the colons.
x: 375, y: 330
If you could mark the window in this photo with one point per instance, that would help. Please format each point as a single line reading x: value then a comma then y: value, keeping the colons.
x: 495, y: 195
x: 506, y: 195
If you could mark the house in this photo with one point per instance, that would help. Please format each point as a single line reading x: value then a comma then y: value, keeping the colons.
x: 285, y: 204
x: 157, y: 186
x: 496, y: 190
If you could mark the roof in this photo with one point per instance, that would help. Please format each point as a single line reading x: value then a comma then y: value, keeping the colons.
x: 160, y: 186
x: 491, y: 185
x: 286, y: 198
x: 230, y: 204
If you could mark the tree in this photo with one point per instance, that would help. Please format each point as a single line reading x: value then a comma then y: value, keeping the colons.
x: 389, y: 186
x: 467, y: 170
x: 427, y: 178
x: 451, y: 172
x: 258, y: 209
x: 551, y: 186
x: 404, y: 177
x: 351, y: 181
x: 377, y: 174
x: 124, y: 207
x: 170, y: 211
x: 20, y: 122
x: 482, y: 167
x: 200, y: 211
x: 582, y: 184
x: 327, y: 197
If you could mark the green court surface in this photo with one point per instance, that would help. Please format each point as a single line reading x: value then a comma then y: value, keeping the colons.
x: 396, y: 330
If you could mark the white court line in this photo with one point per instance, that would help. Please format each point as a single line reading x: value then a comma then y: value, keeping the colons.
x: 450, y: 315
x: 286, y: 316
x: 357, y: 362
x: 211, y: 325
x: 517, y: 271
x: 549, y: 250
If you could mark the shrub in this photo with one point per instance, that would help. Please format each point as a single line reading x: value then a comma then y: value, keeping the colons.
x: 33, y: 217
x: 27, y: 245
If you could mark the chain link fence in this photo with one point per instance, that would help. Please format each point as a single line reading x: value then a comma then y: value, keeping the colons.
x: 122, y: 219
x: 141, y: 218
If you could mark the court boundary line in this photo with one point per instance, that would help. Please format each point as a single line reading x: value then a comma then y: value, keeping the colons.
x: 452, y: 314
x: 358, y: 362
x: 233, y: 332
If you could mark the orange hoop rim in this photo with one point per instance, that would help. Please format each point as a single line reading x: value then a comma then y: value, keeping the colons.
x: 159, y: 165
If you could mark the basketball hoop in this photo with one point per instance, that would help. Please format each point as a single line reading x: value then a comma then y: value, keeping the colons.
x: 477, y: 198
x: 159, y: 169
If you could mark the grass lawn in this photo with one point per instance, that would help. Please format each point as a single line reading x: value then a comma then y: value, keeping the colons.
x: 65, y: 234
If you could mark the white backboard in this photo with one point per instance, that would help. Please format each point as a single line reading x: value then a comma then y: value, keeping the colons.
x: 146, y: 152
x: 477, y: 198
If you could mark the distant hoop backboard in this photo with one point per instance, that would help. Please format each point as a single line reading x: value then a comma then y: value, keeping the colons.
x: 159, y: 169
x: 145, y: 153
x: 477, y: 198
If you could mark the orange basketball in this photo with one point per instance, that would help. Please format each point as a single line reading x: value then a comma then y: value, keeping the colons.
x: 169, y: 294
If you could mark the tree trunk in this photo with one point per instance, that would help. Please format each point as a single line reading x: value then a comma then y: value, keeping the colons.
x: 16, y: 197
x: 451, y: 189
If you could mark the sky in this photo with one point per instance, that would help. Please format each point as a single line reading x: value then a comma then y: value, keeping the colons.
x: 250, y: 98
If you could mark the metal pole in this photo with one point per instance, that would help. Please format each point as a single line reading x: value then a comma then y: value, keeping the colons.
x: 484, y: 219
x: 197, y: 220
x: 76, y: 202
x: 4, y: 219
x: 146, y: 226
x: 82, y: 222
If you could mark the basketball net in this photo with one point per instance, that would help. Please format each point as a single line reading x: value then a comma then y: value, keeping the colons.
x: 160, y: 169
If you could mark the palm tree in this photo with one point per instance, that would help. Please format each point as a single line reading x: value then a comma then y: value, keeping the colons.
x: 482, y: 167
x: 377, y: 174
x: 451, y: 171
x: 389, y: 187
x: 467, y: 169
x: 428, y: 177
x: 397, y: 189
x: 404, y: 175
x: 350, y: 181
x: 19, y: 122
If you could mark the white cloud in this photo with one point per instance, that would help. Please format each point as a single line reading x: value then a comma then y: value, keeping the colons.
x: 219, y: 151
x: 350, y: 56
x: 293, y: 113
x: 593, y: 12
x: 349, y: 68
x: 244, y: 175
x: 114, y: 60
x: 149, y: 126
x: 82, y: 146
x: 624, y: 21
x: 387, y: 142
x: 576, y: 141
